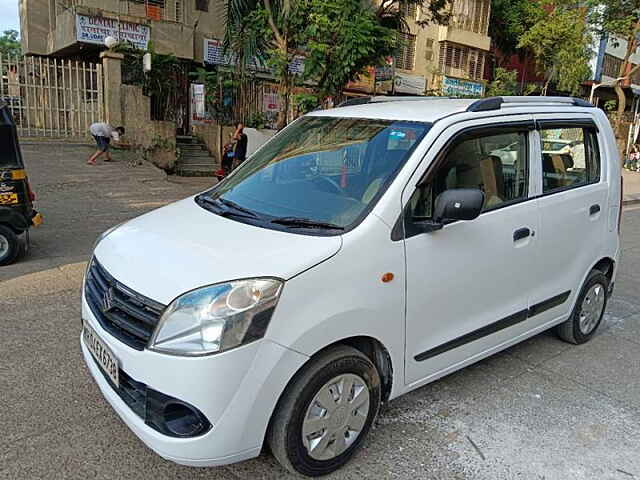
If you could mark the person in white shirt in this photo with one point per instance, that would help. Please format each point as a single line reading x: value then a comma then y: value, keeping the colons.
x: 103, y: 133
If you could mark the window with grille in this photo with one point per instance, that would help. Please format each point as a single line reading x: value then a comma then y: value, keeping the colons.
x: 406, y: 54
x: 460, y: 61
x: 611, y: 66
x: 156, y: 9
x: 471, y: 15
x: 409, y: 10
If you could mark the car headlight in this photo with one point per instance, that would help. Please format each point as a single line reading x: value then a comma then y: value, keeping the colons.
x: 217, y: 318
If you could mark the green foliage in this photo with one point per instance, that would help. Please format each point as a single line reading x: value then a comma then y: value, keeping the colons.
x: 615, y: 17
x: 256, y: 120
x: 560, y: 42
x: 510, y: 20
x: 10, y: 43
x: 610, y: 105
x: 215, y: 82
x: 391, y: 13
x: 341, y: 38
x: 306, y: 102
x: 505, y: 82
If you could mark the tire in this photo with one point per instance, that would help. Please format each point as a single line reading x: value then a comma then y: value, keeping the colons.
x: 587, y: 314
x: 10, y: 246
x: 299, y: 402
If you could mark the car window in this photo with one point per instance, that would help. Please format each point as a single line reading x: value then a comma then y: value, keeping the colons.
x: 570, y: 158
x: 495, y: 164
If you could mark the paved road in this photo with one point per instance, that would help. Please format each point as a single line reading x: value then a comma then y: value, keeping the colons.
x: 540, y: 410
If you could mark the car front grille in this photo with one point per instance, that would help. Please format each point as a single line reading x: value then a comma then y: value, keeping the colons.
x: 125, y: 314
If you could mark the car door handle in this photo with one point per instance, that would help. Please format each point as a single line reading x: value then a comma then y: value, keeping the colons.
x: 521, y: 233
x: 594, y: 209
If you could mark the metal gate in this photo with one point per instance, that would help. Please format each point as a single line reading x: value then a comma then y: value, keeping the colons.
x: 52, y: 97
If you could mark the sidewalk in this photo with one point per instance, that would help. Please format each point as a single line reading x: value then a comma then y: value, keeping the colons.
x: 631, y: 187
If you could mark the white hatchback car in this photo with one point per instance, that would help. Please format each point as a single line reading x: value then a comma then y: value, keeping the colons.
x: 363, y: 252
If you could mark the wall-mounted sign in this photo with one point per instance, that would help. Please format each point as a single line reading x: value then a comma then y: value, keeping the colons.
x: 412, y: 84
x: 214, y: 54
x: 455, y: 87
x: 94, y: 30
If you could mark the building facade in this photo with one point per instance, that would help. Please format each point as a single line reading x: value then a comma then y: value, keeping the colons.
x: 435, y: 59
x: 66, y: 28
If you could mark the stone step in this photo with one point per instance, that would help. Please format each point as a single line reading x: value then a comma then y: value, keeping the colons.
x: 196, y: 154
x: 198, y: 161
x: 195, y: 171
x: 186, y: 139
x: 191, y: 146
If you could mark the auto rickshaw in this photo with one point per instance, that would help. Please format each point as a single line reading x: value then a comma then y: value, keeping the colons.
x: 17, y: 214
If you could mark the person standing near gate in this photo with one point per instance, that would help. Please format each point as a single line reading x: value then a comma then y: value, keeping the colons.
x: 103, y: 133
x: 240, y: 152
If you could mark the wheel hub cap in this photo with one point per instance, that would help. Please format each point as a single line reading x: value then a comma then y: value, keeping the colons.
x: 336, y: 416
x: 591, y: 308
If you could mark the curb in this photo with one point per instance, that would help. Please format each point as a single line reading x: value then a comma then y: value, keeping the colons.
x: 631, y: 200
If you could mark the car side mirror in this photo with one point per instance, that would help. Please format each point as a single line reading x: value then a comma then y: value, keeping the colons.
x: 458, y: 204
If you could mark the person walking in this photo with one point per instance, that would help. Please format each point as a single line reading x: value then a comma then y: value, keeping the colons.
x: 103, y: 133
x: 240, y: 152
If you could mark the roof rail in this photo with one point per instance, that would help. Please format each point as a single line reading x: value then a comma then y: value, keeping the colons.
x: 496, y: 103
x: 381, y: 99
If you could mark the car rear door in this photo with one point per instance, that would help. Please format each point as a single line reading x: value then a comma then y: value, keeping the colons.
x: 573, y: 205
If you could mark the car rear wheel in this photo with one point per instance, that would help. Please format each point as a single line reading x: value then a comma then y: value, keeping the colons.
x: 588, y: 311
x: 326, y: 412
x: 10, y: 245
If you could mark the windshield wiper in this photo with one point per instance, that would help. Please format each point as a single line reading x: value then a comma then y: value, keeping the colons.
x: 235, y: 206
x: 305, y: 223
x: 223, y: 207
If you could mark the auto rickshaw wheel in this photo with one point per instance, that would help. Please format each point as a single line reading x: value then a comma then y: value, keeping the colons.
x: 10, y: 245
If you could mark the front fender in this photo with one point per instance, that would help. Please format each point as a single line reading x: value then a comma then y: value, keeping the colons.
x: 345, y: 297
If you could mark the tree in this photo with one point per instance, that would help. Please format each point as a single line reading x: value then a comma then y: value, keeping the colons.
x: 510, y: 20
x: 342, y: 38
x: 560, y: 42
x: 276, y: 19
x: 10, y: 43
x: 621, y: 20
x: 309, y: 28
x: 391, y: 13
x: 505, y: 82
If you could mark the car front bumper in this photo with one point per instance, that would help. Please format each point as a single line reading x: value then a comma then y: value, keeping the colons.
x: 236, y: 391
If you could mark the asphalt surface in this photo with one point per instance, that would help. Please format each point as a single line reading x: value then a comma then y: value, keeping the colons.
x: 540, y: 410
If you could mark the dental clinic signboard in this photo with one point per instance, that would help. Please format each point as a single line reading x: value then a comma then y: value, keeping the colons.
x: 91, y: 29
x: 456, y: 87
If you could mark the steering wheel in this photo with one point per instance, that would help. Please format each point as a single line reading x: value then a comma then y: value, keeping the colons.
x: 333, y: 185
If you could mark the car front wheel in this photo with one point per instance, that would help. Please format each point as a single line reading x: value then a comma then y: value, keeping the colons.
x: 326, y: 412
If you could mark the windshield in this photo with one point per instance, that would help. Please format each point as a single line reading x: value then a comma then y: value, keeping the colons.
x: 320, y: 173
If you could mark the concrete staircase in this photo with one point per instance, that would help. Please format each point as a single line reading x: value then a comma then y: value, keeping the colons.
x: 195, y: 160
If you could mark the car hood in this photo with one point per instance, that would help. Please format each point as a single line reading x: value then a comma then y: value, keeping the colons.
x: 182, y: 246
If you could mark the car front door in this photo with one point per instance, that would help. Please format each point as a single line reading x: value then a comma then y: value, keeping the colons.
x: 468, y: 283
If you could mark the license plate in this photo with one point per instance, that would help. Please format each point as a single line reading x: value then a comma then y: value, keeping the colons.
x: 8, y: 198
x: 105, y: 358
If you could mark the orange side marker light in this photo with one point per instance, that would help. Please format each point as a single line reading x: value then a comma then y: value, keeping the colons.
x: 387, y: 277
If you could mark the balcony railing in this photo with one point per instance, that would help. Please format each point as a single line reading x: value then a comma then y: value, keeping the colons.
x: 170, y: 10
